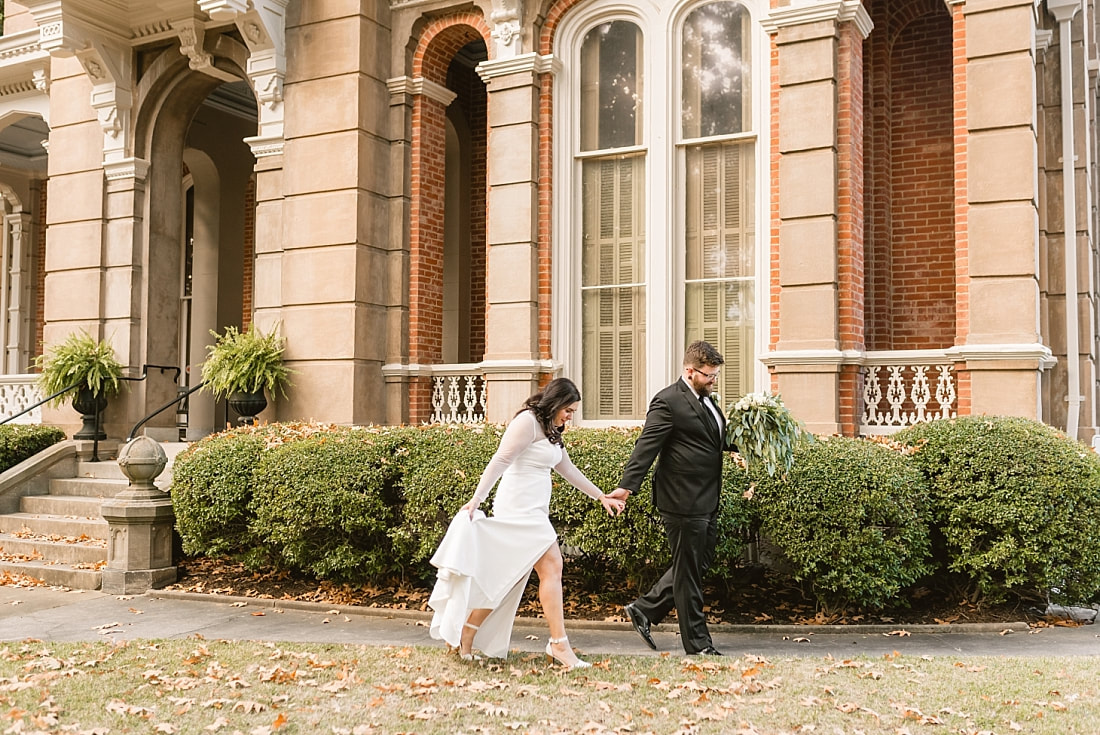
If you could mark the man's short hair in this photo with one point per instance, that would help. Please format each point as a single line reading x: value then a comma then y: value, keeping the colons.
x: 700, y: 353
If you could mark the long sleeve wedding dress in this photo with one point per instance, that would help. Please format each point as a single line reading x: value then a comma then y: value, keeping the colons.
x: 484, y: 562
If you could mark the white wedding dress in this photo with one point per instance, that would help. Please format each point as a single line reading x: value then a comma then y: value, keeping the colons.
x: 485, y: 562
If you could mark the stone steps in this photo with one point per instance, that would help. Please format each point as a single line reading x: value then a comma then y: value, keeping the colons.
x: 60, y: 537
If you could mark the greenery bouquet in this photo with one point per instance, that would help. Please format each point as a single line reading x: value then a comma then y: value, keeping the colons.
x: 764, y: 432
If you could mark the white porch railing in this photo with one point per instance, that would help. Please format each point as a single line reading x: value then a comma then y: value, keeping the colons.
x: 458, y: 394
x: 16, y: 393
x: 902, y: 388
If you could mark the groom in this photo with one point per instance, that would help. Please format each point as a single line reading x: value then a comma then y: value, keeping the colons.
x: 686, y: 429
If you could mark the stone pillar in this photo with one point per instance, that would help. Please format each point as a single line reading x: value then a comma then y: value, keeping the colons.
x: 335, y: 233
x: 999, y: 348
x: 17, y: 293
x: 511, y: 363
x: 140, y: 521
x: 816, y: 161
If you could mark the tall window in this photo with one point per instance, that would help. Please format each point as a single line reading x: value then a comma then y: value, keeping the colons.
x: 688, y: 130
x: 613, y: 221
x: 719, y: 221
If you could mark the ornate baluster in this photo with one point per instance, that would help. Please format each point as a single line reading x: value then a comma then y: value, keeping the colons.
x: 872, y: 396
x: 454, y: 399
x: 482, y: 399
x: 437, y: 400
x: 895, y: 395
x: 920, y: 394
x: 945, y: 392
x: 469, y: 398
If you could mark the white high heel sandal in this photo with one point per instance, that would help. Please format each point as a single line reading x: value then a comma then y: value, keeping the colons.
x: 564, y: 640
x: 471, y: 656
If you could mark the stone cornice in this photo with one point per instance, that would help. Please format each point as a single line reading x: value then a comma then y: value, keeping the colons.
x: 126, y: 168
x: 419, y: 85
x: 839, y: 11
x: 264, y: 146
x: 531, y: 63
x: 486, y: 367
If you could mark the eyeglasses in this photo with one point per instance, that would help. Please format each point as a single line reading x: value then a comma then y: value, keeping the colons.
x: 708, y: 376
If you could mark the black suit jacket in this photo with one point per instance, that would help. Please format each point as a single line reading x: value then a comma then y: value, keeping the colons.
x: 688, y: 478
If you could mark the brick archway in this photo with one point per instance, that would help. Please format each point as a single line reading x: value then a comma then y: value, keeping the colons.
x: 439, y: 44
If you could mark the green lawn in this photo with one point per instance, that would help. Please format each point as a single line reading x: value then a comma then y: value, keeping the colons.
x: 199, y: 686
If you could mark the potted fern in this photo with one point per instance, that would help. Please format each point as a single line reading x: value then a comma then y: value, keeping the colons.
x: 240, y: 366
x: 90, y: 367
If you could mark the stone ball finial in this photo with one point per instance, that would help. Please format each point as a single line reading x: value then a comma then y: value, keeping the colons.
x: 142, y: 459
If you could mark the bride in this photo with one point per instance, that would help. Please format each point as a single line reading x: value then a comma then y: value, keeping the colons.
x: 484, y: 562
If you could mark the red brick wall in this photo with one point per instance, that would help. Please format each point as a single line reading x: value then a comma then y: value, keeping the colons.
x: 911, y: 203
x: 962, y: 240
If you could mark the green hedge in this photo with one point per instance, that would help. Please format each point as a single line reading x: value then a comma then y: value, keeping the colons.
x: 850, y: 519
x: 325, y: 504
x: 22, y: 441
x: 1016, y: 503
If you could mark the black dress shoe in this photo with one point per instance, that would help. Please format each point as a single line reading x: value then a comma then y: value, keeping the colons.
x: 709, y: 651
x: 640, y: 623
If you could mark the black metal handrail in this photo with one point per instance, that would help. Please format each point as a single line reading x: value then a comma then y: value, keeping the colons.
x: 179, y: 397
x: 44, y: 401
x: 162, y: 368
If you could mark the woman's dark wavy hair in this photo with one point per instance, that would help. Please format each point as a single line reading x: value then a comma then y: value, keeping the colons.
x: 558, y: 393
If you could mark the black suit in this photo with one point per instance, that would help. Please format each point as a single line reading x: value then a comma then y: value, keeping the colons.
x: 686, y: 488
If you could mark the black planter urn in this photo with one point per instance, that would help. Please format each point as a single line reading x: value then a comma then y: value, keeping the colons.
x: 90, y: 405
x: 247, y: 406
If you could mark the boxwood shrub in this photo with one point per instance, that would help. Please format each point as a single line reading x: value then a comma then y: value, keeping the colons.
x: 850, y: 518
x: 211, y: 491
x: 1016, y: 502
x: 325, y: 504
x: 22, y: 441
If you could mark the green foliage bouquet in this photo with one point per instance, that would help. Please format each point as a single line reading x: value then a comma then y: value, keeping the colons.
x: 763, y: 432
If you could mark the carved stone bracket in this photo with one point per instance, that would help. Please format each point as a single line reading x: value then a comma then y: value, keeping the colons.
x: 263, y: 29
x: 192, y: 35
x: 507, y: 33
x: 106, y: 61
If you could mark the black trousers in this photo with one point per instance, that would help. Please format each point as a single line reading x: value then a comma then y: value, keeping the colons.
x: 692, y: 540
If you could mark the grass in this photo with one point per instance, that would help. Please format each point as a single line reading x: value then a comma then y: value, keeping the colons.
x: 199, y: 686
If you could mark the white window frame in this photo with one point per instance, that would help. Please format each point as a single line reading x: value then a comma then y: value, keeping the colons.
x: 661, y: 29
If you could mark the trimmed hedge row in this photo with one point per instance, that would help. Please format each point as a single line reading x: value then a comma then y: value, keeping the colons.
x: 22, y: 441
x: 1003, y: 504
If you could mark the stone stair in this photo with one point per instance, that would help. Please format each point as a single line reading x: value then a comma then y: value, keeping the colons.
x: 61, y: 537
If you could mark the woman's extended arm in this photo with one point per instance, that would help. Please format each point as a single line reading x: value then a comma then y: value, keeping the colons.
x: 575, y: 477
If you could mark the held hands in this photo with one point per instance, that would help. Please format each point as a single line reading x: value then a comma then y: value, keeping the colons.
x: 614, y: 506
x: 620, y: 493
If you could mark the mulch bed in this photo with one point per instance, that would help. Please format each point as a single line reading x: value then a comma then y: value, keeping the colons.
x: 761, y: 598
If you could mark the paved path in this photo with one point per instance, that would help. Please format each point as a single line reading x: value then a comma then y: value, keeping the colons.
x: 62, y: 615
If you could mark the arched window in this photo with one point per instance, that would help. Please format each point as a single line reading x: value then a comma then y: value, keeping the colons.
x: 657, y: 202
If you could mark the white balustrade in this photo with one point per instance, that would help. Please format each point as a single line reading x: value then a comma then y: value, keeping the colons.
x: 17, y: 392
x: 916, y: 387
x: 458, y: 395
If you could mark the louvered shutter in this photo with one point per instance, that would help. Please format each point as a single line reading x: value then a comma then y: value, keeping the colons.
x: 719, y: 241
x: 613, y: 301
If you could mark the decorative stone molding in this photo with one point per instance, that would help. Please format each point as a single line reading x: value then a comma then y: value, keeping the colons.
x: 192, y: 35
x: 507, y: 33
x: 40, y: 78
x: 127, y: 168
x: 991, y: 352
x: 108, y: 66
x: 1039, y: 353
x: 399, y: 86
x: 266, y: 146
x: 838, y: 11
x: 1043, y: 39
x: 531, y: 63
x: 485, y: 367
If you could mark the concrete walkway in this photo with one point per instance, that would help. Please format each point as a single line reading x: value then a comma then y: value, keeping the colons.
x: 62, y: 615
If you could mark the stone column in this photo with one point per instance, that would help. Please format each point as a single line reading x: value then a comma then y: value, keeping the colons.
x: 17, y: 290
x: 817, y: 159
x: 335, y: 234
x: 999, y: 345
x: 511, y: 363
